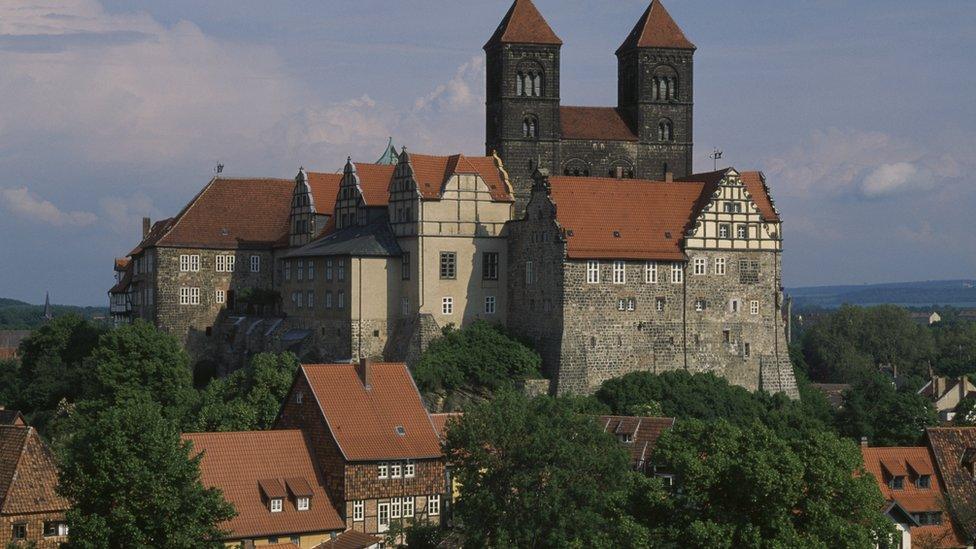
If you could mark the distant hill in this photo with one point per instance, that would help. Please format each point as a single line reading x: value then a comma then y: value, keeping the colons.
x: 18, y: 315
x: 957, y: 293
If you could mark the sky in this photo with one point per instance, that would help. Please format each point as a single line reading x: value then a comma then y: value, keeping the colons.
x: 861, y: 114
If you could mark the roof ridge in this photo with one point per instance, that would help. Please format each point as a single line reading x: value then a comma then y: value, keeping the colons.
x: 656, y: 29
x: 175, y: 220
x: 523, y: 24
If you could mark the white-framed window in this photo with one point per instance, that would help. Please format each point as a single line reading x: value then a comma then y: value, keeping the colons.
x: 342, y: 270
x: 383, y: 470
x: 287, y: 269
x: 619, y: 272
x: 592, y: 272
x: 220, y: 296
x: 276, y: 505
x: 659, y: 304
x: 631, y: 304
x: 408, y: 507
x: 677, y: 273
x: 489, y: 305
x: 395, y: 507
x: 189, y: 263
x: 55, y: 528
x: 409, y: 469
x: 383, y: 517
x: 741, y: 231
x: 404, y: 306
x: 220, y: 263
x: 700, y: 266
x: 195, y: 263
x: 310, y: 298
x: 300, y: 272
x: 650, y: 272
x: 311, y: 269
x: 302, y: 503
x: 358, y: 510
x: 720, y: 265
x: 724, y: 231
x: 754, y: 307
x: 434, y: 504
x: 189, y: 296
x: 447, y: 305
x: 529, y: 274
x: 255, y: 264
x: 328, y: 270
x: 341, y: 299
x: 396, y: 470
x: 700, y: 305
x: 621, y: 304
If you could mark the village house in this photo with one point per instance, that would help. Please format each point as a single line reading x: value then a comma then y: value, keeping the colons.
x: 373, y: 441
x: 954, y: 450
x: 272, y: 480
x: 638, y: 435
x: 31, y: 511
x: 946, y: 393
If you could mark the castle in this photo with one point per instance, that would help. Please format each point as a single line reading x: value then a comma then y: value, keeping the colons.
x: 582, y: 229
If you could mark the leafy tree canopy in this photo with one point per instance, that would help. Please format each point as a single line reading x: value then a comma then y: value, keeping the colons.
x: 538, y: 474
x: 133, y: 482
x: 873, y: 408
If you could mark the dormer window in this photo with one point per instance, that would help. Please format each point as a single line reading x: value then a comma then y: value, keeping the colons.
x: 302, y: 504
x: 277, y: 504
x: 924, y: 481
x: 897, y: 483
x: 627, y: 438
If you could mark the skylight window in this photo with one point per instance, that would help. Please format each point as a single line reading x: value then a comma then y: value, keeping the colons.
x: 400, y: 431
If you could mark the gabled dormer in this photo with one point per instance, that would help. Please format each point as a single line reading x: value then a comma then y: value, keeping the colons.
x: 734, y: 212
x: 363, y: 194
x: 302, y: 217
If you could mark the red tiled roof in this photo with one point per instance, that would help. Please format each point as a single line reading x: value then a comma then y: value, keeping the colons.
x: 159, y: 228
x: 28, y: 473
x: 881, y: 461
x: 431, y: 172
x: 441, y: 422
x: 350, y: 539
x: 122, y: 286
x: 603, y: 123
x: 523, y: 24
x: 949, y: 444
x: 364, y: 421
x: 756, y: 185
x: 656, y: 29
x: 12, y: 417
x: 240, y: 463
x: 374, y: 180
x: 121, y: 263
x: 643, y: 431
x: 325, y: 188
x: 651, y: 227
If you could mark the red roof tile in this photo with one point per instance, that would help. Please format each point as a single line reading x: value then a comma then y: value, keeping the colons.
x: 755, y: 183
x: 651, y: 227
x: 603, y: 123
x: 122, y: 263
x: 431, y: 172
x: 643, y: 433
x: 443, y: 421
x: 159, y: 228
x: 122, y: 286
x: 365, y: 421
x: 12, y: 417
x: 325, y: 189
x: 523, y: 24
x: 240, y: 463
x: 374, y: 180
x: 28, y: 473
x: 949, y: 445
x: 881, y: 461
x: 656, y: 29
x: 350, y: 539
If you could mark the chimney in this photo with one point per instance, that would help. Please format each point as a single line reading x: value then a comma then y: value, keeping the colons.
x: 940, y: 386
x: 864, y: 442
x: 618, y: 172
x: 146, y: 225
x: 962, y: 388
x: 363, y: 371
x: 669, y: 177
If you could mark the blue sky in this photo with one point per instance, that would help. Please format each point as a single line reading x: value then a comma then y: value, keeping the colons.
x: 861, y: 114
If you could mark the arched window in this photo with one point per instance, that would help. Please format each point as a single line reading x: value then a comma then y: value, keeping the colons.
x: 622, y: 169
x: 537, y: 85
x: 530, y: 127
x: 576, y: 168
x: 665, y: 131
x: 664, y: 84
x: 519, y: 84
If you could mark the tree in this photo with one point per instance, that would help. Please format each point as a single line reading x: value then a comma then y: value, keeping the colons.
x: 133, y: 483
x: 537, y: 474
x: 750, y: 487
x: 480, y: 355
x: 248, y: 398
x: 873, y: 408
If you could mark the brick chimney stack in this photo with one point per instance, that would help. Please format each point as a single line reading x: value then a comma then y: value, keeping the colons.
x: 363, y: 370
x: 146, y: 226
x: 669, y: 177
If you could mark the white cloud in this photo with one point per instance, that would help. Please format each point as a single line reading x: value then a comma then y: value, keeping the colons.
x: 461, y: 92
x: 123, y: 213
x: 888, y: 178
x: 27, y: 205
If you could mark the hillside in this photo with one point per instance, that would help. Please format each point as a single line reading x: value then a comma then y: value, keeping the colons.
x: 957, y: 293
x: 18, y: 315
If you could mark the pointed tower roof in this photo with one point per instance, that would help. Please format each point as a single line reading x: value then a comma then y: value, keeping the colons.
x: 523, y: 24
x: 656, y: 29
x: 48, y: 313
x: 390, y: 156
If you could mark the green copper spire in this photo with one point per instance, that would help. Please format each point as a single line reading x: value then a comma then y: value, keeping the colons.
x: 390, y: 156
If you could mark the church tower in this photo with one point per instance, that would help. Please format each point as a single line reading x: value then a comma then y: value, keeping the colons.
x: 522, y: 105
x: 655, y: 90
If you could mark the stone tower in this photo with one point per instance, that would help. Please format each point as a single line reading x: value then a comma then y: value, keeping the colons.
x: 522, y: 105
x: 655, y: 90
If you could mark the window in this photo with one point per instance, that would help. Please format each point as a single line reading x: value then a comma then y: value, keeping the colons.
x: 530, y: 127
x: 383, y: 517
x: 700, y: 305
x: 924, y: 481
x: 650, y: 272
x: 328, y: 270
x: 659, y: 304
x: 897, y: 483
x: 255, y: 264
x: 328, y: 299
x: 300, y: 272
x: 302, y: 504
x: 489, y: 266
x: 54, y: 528
x: 754, y: 307
x: 311, y: 269
x: 665, y: 131
x: 395, y: 508
x: 746, y: 349
x: 189, y: 296
x: 592, y: 272
x: 529, y: 273
x: 224, y: 263
x: 189, y: 263
x: 299, y: 396
x: 276, y: 505
x: 310, y: 298
x: 724, y: 231
x: 727, y: 336
x: 447, y: 306
x: 405, y: 266
x: 220, y: 296
x: 396, y: 470
x: 382, y: 470
x: 434, y: 505
x: 734, y: 305
x: 194, y: 296
x: 342, y: 270
x: 299, y: 299
x: 621, y: 304
x: 448, y: 265
x: 409, y: 469
x: 358, y: 510
x: 720, y: 265
x: 741, y: 232
x: 404, y: 306
x: 677, y: 273
x: 408, y: 507
x: 288, y: 269
x: 700, y: 266
x: 631, y: 304
x: 341, y: 299
x: 19, y: 531
x: 619, y: 272
x: 490, y: 305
